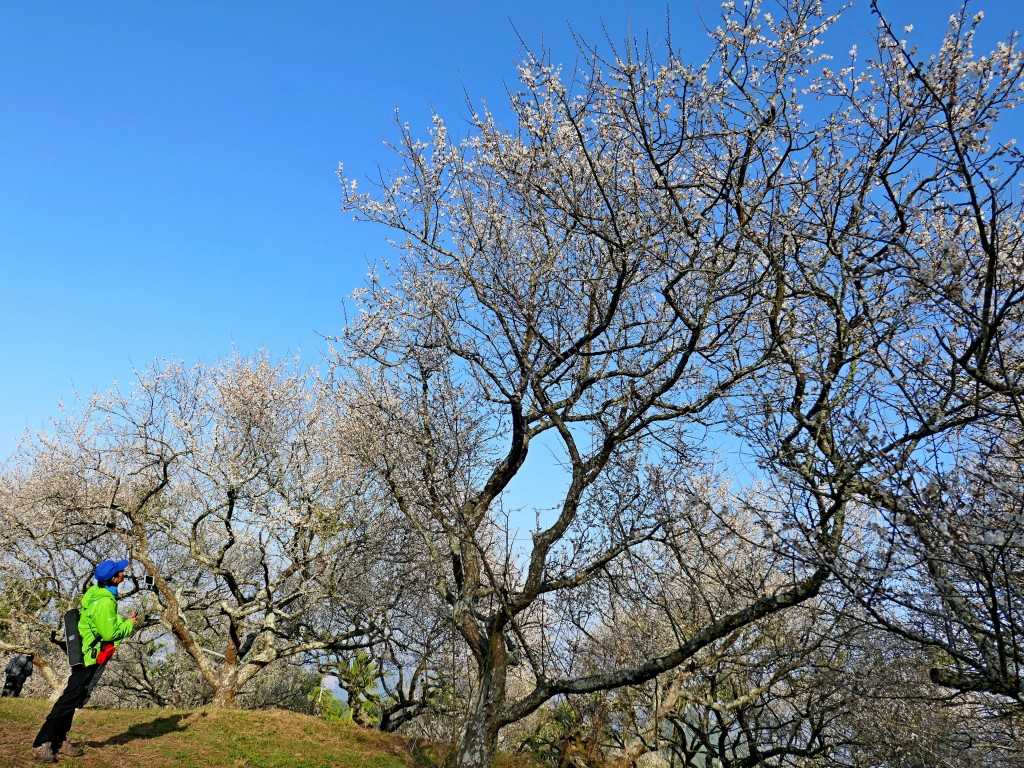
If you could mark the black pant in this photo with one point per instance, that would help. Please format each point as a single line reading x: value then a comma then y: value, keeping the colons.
x: 58, y: 722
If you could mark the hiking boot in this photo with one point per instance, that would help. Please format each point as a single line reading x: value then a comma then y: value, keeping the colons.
x: 44, y: 753
x: 71, y: 749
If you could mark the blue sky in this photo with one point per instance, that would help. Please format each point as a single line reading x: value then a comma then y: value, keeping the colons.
x: 167, y: 170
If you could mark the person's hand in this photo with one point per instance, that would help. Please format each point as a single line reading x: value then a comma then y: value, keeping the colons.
x: 134, y: 618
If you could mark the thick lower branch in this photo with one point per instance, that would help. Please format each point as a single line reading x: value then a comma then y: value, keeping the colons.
x: 717, y: 630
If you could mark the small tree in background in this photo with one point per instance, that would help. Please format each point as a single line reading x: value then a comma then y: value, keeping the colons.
x: 225, y: 484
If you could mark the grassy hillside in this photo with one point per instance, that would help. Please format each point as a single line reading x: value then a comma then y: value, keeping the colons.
x: 206, y: 738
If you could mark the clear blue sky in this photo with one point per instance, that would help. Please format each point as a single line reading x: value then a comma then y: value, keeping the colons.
x: 167, y: 170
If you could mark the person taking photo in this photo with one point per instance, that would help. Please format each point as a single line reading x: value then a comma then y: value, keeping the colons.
x: 101, y: 630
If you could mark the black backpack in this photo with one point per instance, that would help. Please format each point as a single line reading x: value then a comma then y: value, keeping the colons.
x: 19, y: 667
x: 73, y: 638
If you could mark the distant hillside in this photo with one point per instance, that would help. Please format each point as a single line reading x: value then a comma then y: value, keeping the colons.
x: 206, y: 738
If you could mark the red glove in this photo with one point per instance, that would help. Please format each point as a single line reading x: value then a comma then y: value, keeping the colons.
x: 106, y: 651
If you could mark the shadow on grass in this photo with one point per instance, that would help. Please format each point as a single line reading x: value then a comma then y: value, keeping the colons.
x: 151, y: 730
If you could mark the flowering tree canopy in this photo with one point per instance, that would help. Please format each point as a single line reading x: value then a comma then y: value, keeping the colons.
x: 820, y: 263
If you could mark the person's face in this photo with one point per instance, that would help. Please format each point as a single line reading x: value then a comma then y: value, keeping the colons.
x: 117, y: 578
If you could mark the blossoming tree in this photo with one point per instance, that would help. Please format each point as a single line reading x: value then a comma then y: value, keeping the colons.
x: 817, y: 266
x: 224, y: 484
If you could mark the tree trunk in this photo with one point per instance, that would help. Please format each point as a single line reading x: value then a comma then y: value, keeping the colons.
x: 224, y: 697
x: 52, y: 678
x: 227, y: 686
x: 480, y: 737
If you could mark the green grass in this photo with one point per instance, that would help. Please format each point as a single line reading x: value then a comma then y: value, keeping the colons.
x: 204, y: 738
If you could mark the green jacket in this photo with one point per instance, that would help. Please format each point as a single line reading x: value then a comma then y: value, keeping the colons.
x: 98, y: 619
